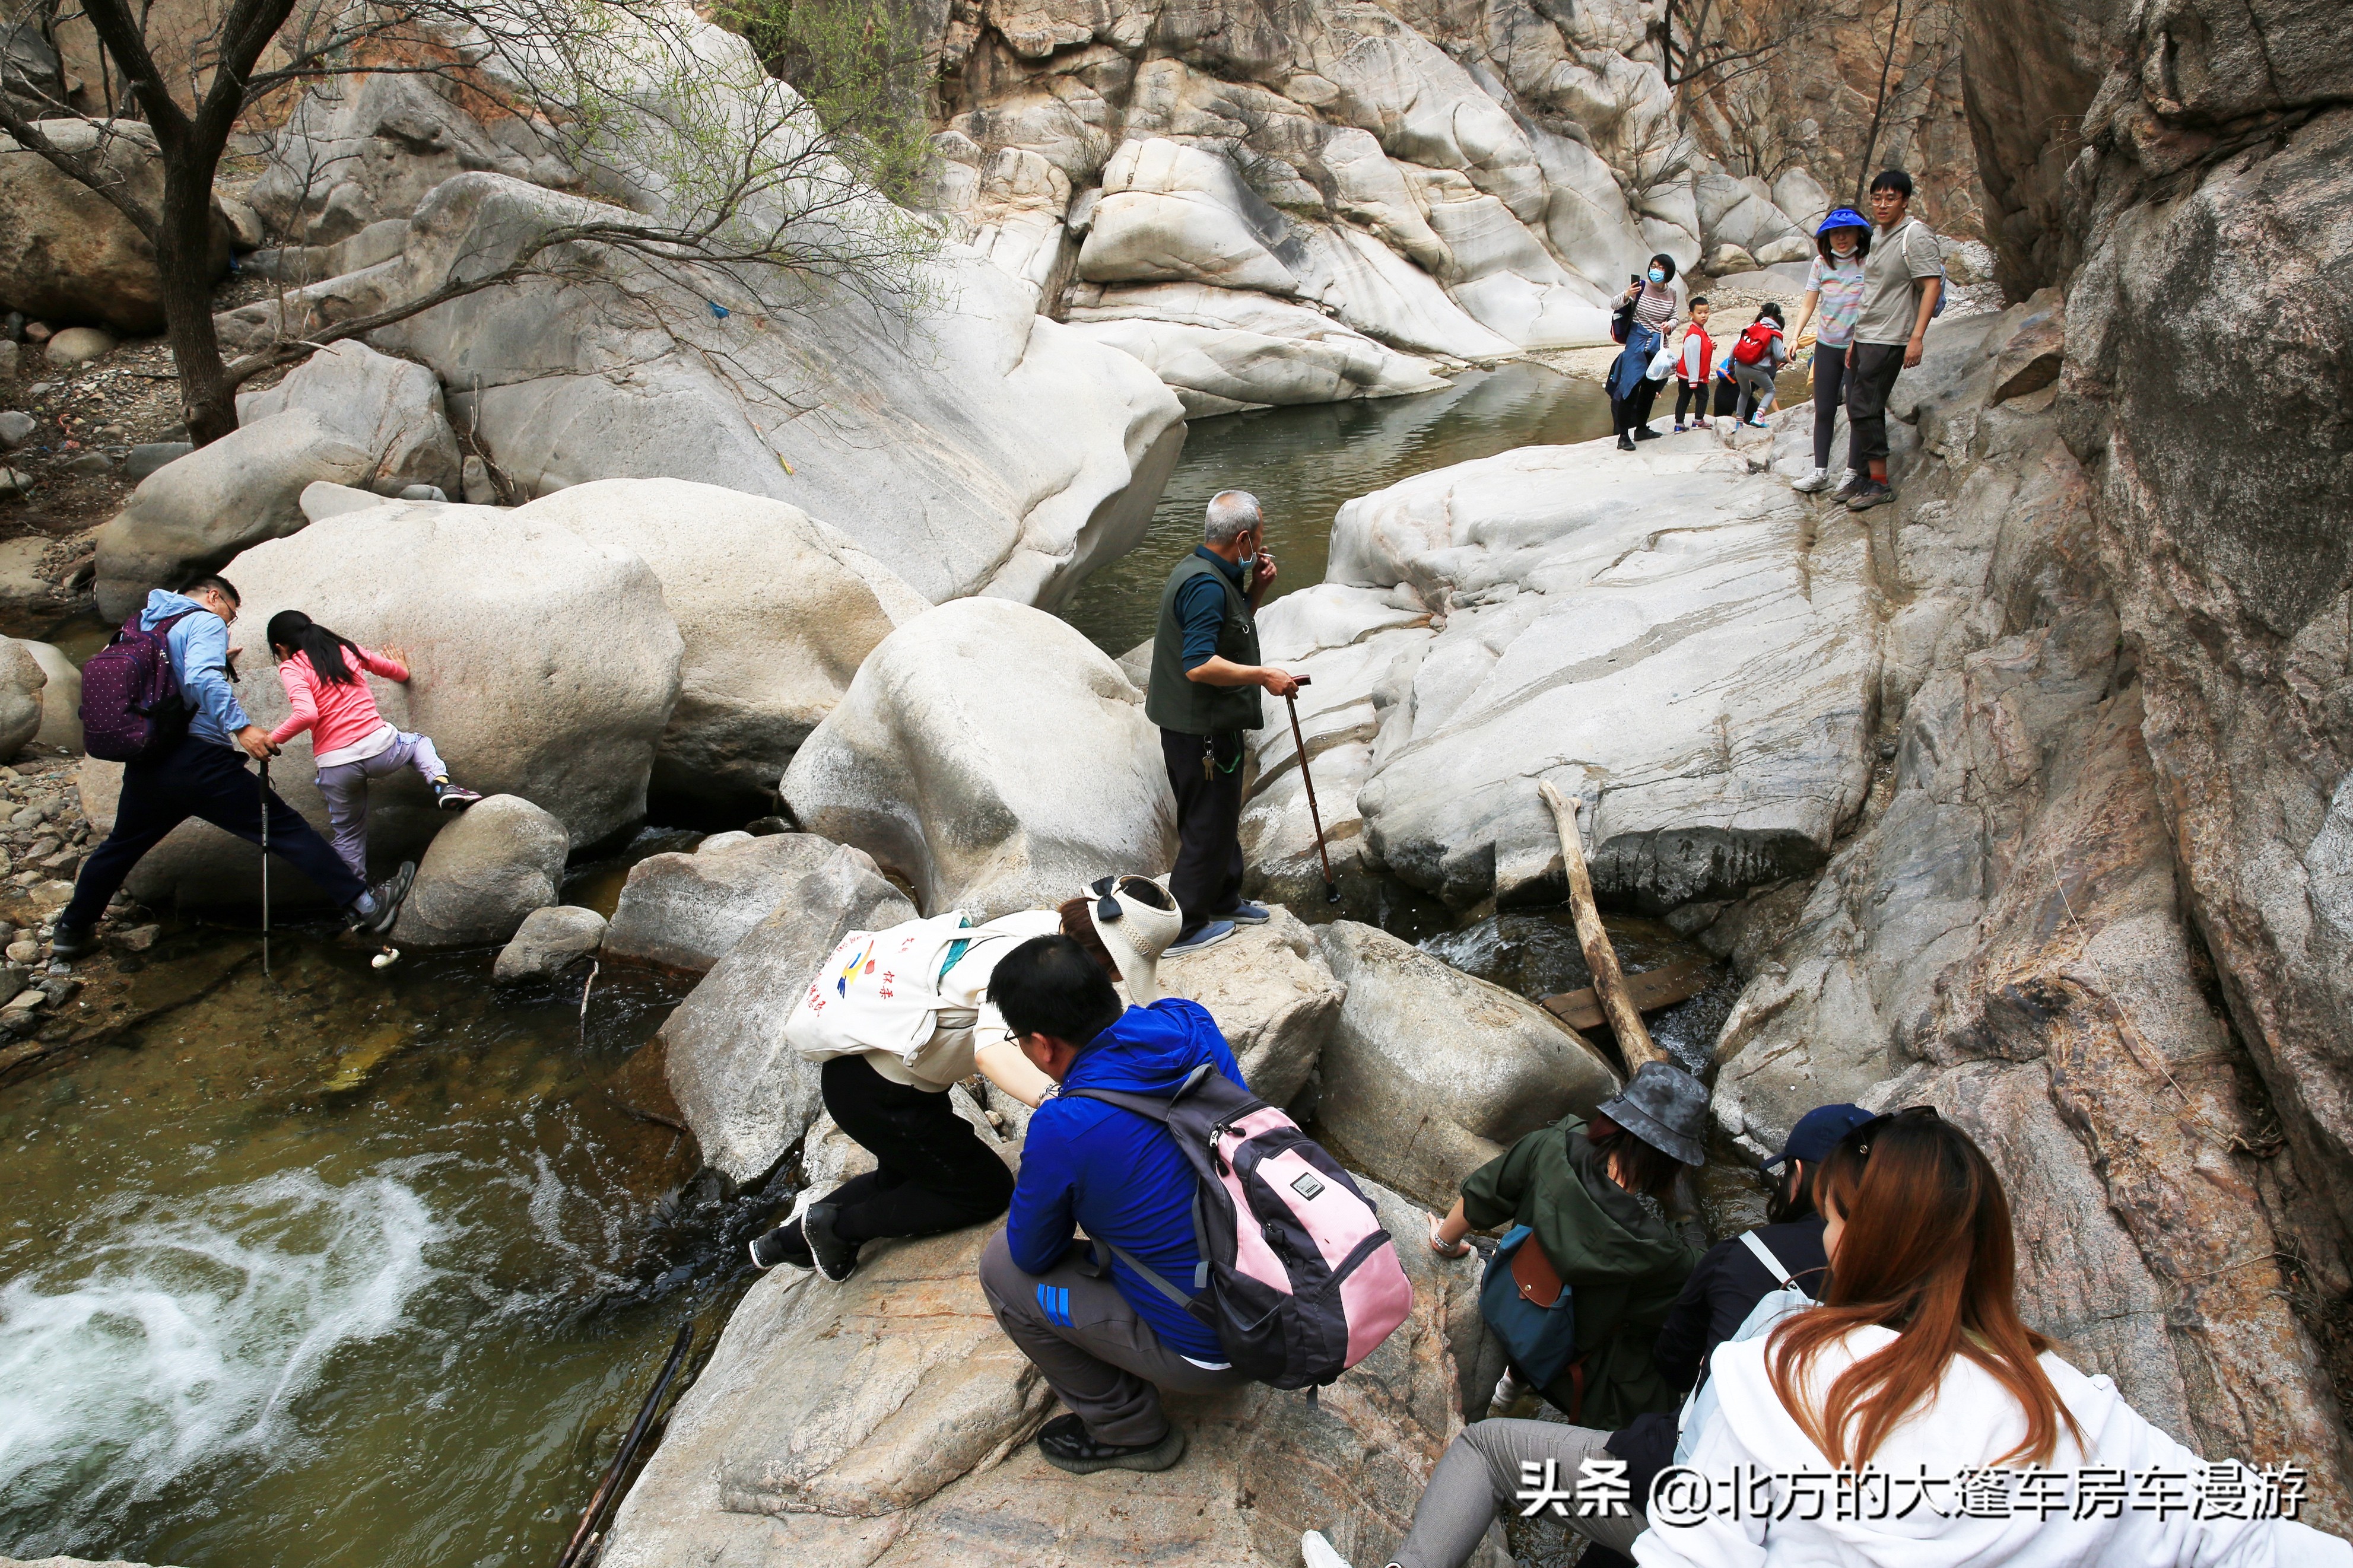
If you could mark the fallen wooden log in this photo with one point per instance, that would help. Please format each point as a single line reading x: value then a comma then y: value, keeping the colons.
x: 1653, y: 989
x: 1634, y: 1043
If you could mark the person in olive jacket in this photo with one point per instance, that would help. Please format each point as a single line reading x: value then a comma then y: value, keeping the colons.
x: 1592, y: 1193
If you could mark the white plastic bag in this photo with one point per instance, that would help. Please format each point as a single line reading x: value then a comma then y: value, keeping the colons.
x: 1663, y: 363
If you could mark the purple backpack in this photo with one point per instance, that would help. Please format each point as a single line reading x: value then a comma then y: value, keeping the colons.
x: 131, y: 706
x: 1296, y: 1274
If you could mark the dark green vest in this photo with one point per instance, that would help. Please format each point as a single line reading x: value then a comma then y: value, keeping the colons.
x: 1192, y: 706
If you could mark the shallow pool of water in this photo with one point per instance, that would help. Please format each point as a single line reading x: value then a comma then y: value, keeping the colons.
x: 341, y: 1268
x: 1303, y: 463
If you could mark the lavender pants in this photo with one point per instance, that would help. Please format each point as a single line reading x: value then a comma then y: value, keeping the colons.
x: 344, y: 785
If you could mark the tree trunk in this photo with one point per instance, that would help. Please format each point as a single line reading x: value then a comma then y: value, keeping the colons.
x: 184, y: 262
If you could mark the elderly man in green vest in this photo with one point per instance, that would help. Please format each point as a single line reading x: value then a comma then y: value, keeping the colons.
x: 1206, y: 678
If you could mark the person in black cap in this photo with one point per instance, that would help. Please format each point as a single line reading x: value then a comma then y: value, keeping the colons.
x: 1479, y: 1472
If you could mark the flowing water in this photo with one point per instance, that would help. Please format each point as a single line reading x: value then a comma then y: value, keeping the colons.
x: 1303, y: 463
x: 341, y: 1268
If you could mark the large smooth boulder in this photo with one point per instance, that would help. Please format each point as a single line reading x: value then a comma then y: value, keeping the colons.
x: 1224, y: 350
x: 485, y: 873
x: 60, y: 699
x: 549, y: 940
x: 1430, y: 1073
x: 979, y: 448
x: 779, y: 610
x: 888, y: 1419
x: 541, y: 665
x: 995, y: 758
x: 688, y: 911
x: 747, y: 1095
x: 198, y: 513
x: 21, y: 678
x: 1274, y: 996
x: 66, y: 254
x: 1171, y: 212
x: 1675, y: 639
x: 386, y: 408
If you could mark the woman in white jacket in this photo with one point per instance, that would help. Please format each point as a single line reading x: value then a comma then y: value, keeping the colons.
x: 1916, y: 1375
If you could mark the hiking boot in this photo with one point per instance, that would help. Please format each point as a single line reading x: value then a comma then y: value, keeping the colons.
x: 1646, y: 434
x: 1815, y: 480
x: 1511, y: 1393
x: 1063, y: 1442
x: 1849, y: 485
x: 786, y: 1244
x: 835, y: 1258
x: 72, y: 941
x: 452, y: 797
x: 1245, y: 913
x: 389, y: 895
x: 1625, y: 442
x: 1869, y: 494
x: 1205, y: 935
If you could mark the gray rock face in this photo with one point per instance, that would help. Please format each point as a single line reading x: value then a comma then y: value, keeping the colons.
x: 22, y: 678
x: 688, y: 911
x: 1430, y: 1073
x: 484, y: 874
x: 549, y: 942
x: 66, y: 254
x: 1274, y: 996
x: 988, y: 450
x: 777, y: 609
x: 994, y: 757
x: 386, y: 408
x: 889, y: 1420
x: 544, y: 666
x: 60, y: 698
x: 2004, y: 937
x: 1665, y: 634
x: 747, y: 1095
x: 198, y: 513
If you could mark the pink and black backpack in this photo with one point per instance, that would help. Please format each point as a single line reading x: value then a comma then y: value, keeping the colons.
x: 1296, y: 1274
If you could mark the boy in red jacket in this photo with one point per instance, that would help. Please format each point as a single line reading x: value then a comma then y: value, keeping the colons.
x: 1694, y: 365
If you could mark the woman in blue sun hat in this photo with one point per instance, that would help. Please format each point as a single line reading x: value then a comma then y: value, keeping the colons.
x: 1834, y: 287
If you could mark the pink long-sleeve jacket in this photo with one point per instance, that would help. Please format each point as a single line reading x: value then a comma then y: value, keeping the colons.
x: 338, y: 716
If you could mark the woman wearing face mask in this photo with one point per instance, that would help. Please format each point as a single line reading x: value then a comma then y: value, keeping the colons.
x: 1645, y: 313
x: 1916, y: 1369
x: 1835, y: 286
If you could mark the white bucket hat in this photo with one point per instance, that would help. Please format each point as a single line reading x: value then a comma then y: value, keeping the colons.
x: 1135, y: 930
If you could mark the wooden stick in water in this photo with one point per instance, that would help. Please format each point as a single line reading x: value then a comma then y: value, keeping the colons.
x: 1617, y: 1000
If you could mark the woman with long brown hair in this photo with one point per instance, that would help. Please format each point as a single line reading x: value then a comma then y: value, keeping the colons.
x: 1917, y: 1371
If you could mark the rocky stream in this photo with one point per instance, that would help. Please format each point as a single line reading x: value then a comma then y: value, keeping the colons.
x: 763, y: 608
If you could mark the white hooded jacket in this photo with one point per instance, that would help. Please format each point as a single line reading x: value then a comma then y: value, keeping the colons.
x: 1971, y: 1421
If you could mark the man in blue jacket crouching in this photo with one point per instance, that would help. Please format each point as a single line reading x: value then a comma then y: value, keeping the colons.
x: 1107, y: 1346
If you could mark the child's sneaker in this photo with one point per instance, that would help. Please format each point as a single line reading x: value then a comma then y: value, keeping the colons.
x: 1679, y: 427
x: 452, y: 797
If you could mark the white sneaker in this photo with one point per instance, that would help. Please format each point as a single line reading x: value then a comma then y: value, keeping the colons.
x: 1813, y: 482
x: 1318, y: 1552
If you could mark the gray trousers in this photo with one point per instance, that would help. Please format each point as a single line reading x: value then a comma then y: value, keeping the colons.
x: 1755, y: 383
x: 1098, y: 1355
x: 1478, y: 1478
x: 345, y: 787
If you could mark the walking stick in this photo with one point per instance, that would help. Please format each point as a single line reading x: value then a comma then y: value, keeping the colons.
x: 265, y: 868
x: 1331, y: 889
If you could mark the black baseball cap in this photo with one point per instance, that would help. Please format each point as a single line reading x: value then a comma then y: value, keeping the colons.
x: 1818, y: 1133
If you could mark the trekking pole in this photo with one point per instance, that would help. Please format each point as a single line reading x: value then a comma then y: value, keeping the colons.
x: 1331, y: 889
x: 265, y: 868
x: 586, y: 1533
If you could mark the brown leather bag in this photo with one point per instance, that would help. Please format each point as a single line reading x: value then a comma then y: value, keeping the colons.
x: 1538, y: 1281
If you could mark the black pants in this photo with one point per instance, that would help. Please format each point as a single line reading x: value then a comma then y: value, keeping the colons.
x: 208, y: 780
x: 1630, y: 413
x: 1829, y: 391
x: 1870, y: 373
x: 1687, y: 395
x: 934, y: 1174
x: 1208, y: 878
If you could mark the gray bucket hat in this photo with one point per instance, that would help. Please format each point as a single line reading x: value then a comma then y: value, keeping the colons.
x: 1666, y: 1108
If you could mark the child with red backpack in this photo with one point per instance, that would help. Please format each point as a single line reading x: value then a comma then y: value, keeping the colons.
x: 1692, y: 366
x: 1756, y: 358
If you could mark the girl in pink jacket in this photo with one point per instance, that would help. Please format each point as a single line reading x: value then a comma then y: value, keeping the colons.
x: 350, y: 741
